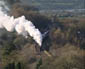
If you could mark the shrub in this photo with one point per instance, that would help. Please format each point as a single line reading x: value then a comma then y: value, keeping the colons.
x: 70, y: 57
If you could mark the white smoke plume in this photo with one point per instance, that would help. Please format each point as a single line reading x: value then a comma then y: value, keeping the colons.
x: 20, y: 25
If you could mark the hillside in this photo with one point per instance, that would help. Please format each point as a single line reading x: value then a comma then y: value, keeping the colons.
x: 63, y: 47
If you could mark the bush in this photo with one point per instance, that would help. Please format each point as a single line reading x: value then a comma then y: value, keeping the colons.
x: 70, y: 57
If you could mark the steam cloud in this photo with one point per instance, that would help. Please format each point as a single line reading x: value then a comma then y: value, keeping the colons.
x: 20, y: 25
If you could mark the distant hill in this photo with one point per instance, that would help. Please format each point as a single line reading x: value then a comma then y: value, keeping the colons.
x: 56, y: 4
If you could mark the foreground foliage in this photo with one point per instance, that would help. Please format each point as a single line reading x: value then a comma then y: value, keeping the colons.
x: 65, y: 42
